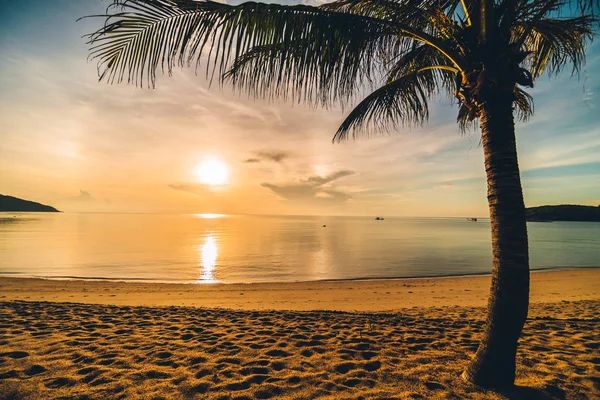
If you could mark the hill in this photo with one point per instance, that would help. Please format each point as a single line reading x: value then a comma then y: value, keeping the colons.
x: 10, y: 203
x: 564, y: 212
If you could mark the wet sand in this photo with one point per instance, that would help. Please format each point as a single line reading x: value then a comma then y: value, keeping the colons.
x: 141, y: 343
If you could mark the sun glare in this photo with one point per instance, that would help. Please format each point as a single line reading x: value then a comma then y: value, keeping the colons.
x: 209, y: 252
x: 212, y: 172
x: 209, y: 216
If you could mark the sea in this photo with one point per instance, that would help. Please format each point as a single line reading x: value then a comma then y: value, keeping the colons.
x: 214, y: 248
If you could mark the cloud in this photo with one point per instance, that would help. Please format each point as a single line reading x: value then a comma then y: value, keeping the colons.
x: 311, y: 189
x: 84, y: 201
x: 320, y: 181
x: 447, y: 185
x: 82, y: 197
x: 303, y: 192
x: 276, y: 156
x: 268, y: 155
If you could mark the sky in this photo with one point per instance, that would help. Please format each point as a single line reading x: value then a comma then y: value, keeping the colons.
x: 86, y: 146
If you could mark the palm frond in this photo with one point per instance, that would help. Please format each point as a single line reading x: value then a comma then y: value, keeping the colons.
x: 325, y: 54
x: 466, y: 118
x: 328, y: 52
x: 405, y: 11
x: 523, y: 104
x: 535, y: 10
x: 419, y: 57
x: 588, y: 6
x: 555, y: 43
x: 403, y: 101
x: 424, y: 21
x: 321, y: 68
x: 144, y: 36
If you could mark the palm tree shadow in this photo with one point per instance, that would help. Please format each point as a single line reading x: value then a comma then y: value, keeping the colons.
x: 529, y: 393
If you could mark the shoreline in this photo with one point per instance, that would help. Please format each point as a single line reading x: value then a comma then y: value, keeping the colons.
x: 548, y: 286
x: 357, y: 279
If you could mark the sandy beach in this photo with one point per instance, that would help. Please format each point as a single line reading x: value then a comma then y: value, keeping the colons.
x: 365, y: 295
x: 387, y: 339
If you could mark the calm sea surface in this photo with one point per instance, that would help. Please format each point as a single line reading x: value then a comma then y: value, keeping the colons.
x: 232, y: 249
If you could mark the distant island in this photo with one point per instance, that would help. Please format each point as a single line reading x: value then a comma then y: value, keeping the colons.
x: 563, y: 212
x: 10, y: 203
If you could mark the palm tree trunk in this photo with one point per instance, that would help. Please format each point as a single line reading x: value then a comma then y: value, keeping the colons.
x: 494, y: 363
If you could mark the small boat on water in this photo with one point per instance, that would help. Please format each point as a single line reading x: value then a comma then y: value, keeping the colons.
x: 378, y: 218
x: 472, y: 219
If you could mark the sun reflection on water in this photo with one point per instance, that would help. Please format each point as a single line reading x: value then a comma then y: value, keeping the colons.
x: 208, y: 253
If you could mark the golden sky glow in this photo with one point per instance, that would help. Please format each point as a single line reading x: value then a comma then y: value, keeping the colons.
x: 69, y: 141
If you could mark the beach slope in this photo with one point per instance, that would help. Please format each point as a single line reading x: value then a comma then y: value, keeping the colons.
x: 63, y: 350
x: 365, y: 295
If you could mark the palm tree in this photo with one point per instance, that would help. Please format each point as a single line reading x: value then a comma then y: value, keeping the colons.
x: 480, y: 52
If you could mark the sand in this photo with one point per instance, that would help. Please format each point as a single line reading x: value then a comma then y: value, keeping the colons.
x: 373, y: 295
x: 142, y: 343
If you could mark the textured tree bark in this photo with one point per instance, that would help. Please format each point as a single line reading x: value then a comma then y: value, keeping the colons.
x: 494, y: 363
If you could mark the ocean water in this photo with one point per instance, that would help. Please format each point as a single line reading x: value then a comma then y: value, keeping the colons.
x: 246, y: 249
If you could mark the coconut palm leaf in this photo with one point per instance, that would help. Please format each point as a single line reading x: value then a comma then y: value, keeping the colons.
x: 423, y: 57
x: 556, y: 43
x: 286, y: 73
x: 164, y: 33
x: 589, y: 6
x: 403, y: 101
x: 314, y: 68
x: 523, y: 104
x: 466, y: 117
x: 407, y: 11
x: 147, y: 35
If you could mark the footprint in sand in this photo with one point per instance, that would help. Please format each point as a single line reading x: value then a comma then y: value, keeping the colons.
x: 267, y: 392
x: 153, y: 374
x: 34, y: 370
x: 434, y: 386
x: 353, y: 382
x: 255, y: 371
x: 16, y: 354
x: 278, y: 366
x: 201, y: 388
x: 261, y: 363
x: 307, y: 353
x: 344, y: 368
x: 372, y: 366
x: 277, y: 353
x: 101, y: 381
x: 367, y: 355
x: 197, y: 360
x: 59, y: 383
x: 202, y: 373
x: 93, y: 374
x: 9, y: 374
x: 229, y: 360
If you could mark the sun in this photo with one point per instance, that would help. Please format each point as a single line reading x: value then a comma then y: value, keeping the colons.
x: 212, y: 172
